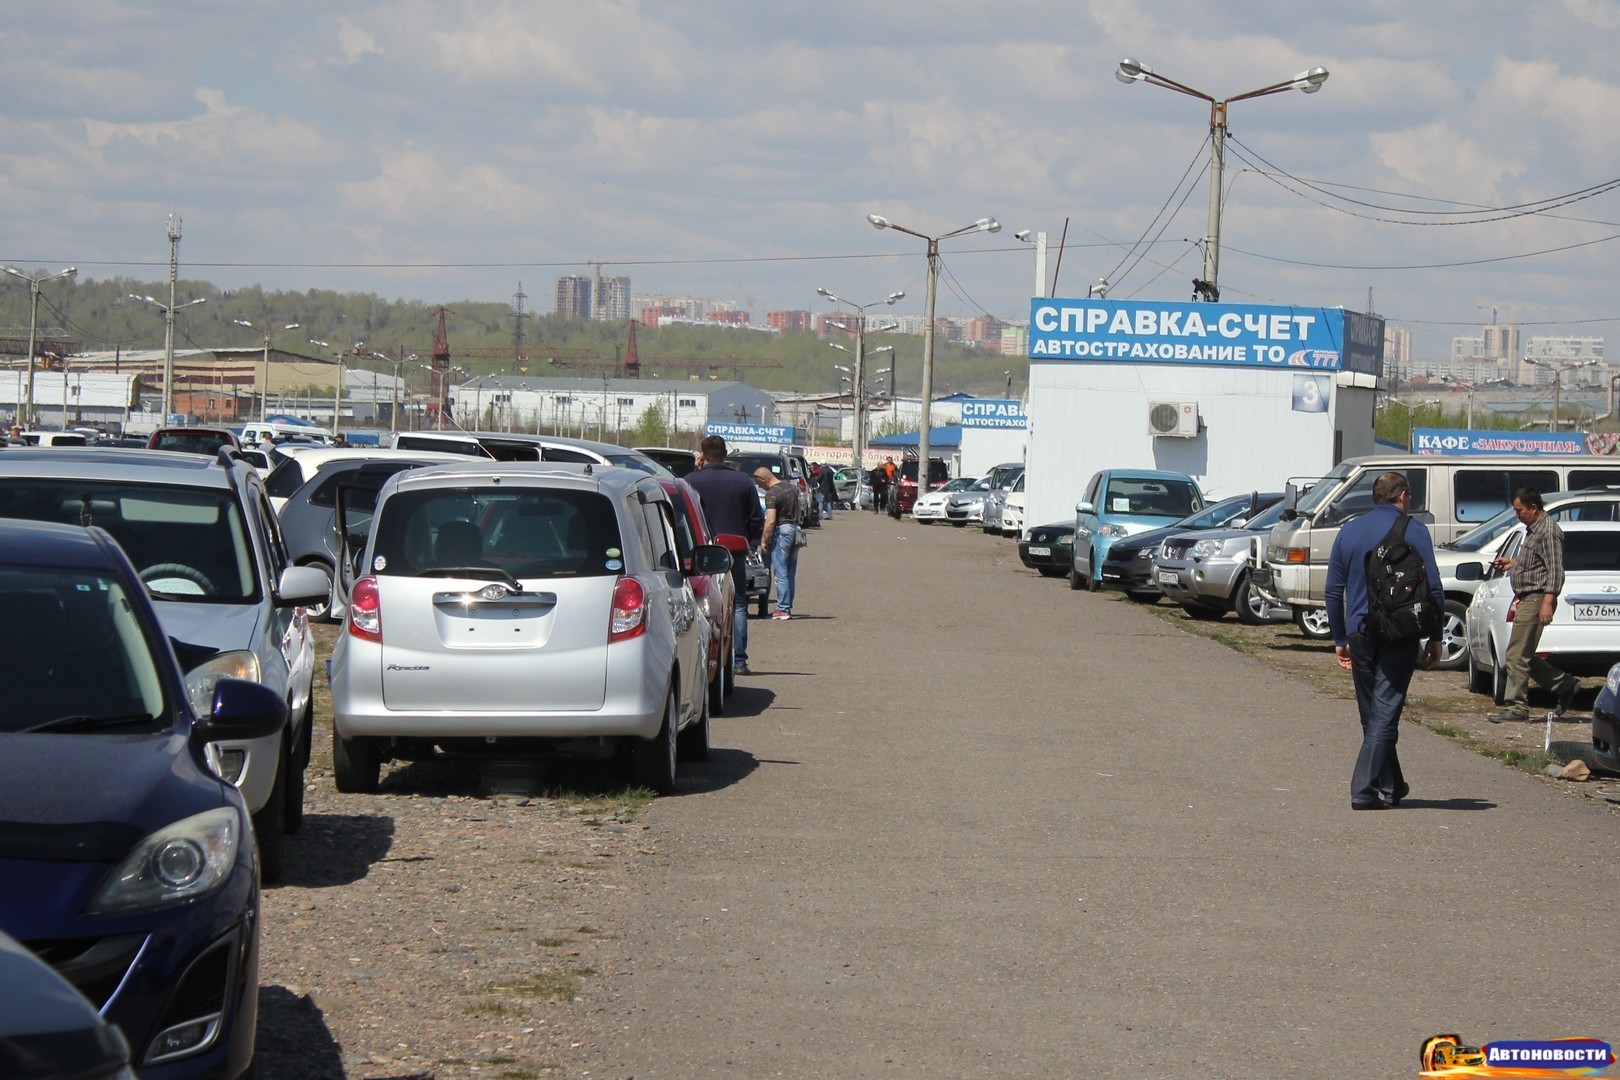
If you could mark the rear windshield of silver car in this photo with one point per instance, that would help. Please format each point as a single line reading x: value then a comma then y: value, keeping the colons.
x: 525, y: 532
x: 187, y: 543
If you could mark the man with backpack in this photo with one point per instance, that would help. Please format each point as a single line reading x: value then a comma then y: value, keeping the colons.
x: 1383, y: 598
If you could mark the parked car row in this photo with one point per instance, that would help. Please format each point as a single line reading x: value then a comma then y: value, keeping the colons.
x: 178, y: 768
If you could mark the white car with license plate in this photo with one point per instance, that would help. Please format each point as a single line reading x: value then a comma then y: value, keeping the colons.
x: 930, y: 507
x: 515, y: 608
x: 1584, y: 635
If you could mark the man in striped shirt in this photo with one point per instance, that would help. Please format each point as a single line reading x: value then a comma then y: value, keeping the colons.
x: 1538, y: 577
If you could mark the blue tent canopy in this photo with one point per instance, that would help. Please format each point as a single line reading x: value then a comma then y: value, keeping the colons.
x: 940, y: 438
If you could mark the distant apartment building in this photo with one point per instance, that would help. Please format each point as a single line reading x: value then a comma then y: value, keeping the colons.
x: 574, y: 296
x: 613, y: 302
x: 727, y: 318
x: 1554, y: 353
x: 680, y: 307
x: 1490, y: 356
x: 788, y: 321
x: 1398, y: 351
x: 1015, y: 341
x: 983, y: 331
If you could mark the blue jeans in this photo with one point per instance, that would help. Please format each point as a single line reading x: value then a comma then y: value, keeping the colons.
x: 739, y: 614
x: 1382, y: 674
x: 827, y: 504
x: 784, y: 564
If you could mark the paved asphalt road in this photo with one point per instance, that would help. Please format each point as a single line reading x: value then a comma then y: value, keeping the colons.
x: 1049, y: 835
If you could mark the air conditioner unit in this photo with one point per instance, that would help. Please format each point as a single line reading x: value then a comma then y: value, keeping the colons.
x: 1173, y: 419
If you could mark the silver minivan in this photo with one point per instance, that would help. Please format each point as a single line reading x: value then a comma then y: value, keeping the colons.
x: 513, y: 608
x: 1449, y: 494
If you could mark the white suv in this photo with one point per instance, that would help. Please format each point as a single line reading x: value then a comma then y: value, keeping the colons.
x: 201, y: 534
x: 508, y: 608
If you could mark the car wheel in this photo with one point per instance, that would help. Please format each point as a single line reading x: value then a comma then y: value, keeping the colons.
x: 1454, y: 637
x: 729, y: 672
x: 1202, y: 613
x: 270, y: 825
x: 356, y: 763
x: 1498, y: 680
x: 294, y: 764
x: 652, y: 761
x: 717, y: 689
x: 1049, y: 571
x: 1313, y: 623
x: 322, y: 612
x: 692, y: 744
x: 1076, y: 582
x: 1247, y: 603
x: 1479, y: 682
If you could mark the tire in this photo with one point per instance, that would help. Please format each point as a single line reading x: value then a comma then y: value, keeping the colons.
x: 1313, y: 623
x: 717, y: 690
x: 1246, y: 602
x: 1498, y: 680
x: 295, y: 764
x: 270, y: 826
x: 1202, y: 613
x: 356, y: 763
x: 323, y: 612
x: 1049, y: 571
x: 652, y: 761
x: 1478, y: 681
x: 1454, y: 637
x: 692, y: 744
x: 1076, y: 582
x: 730, y: 673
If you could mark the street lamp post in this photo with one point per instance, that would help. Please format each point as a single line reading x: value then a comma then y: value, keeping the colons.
x: 264, y: 369
x: 1040, y: 258
x: 27, y: 404
x: 1469, y: 388
x: 1558, y: 371
x: 1411, y: 416
x: 1132, y: 71
x: 168, y: 345
x: 982, y: 225
x: 858, y: 431
x: 337, y: 387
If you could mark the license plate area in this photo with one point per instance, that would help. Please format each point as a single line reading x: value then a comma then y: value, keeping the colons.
x: 1590, y: 612
x: 1167, y: 577
x: 1044, y: 551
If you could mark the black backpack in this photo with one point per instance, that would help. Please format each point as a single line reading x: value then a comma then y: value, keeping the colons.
x: 1400, y: 608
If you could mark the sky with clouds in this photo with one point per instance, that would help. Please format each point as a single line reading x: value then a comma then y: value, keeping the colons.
x: 442, y: 150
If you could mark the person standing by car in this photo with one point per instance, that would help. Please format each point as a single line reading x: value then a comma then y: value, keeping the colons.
x: 730, y: 505
x: 1381, y: 670
x: 880, y: 488
x: 781, y: 537
x: 827, y: 490
x: 1538, y: 577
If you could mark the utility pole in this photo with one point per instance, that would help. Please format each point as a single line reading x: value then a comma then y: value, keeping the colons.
x: 168, y: 318
x: 27, y: 408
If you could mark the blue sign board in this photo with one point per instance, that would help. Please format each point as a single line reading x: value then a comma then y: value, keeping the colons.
x: 754, y: 433
x: 1218, y: 335
x: 993, y: 413
x: 1458, y: 442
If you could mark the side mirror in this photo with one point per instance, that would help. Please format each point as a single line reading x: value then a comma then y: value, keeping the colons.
x: 1470, y: 571
x: 242, y: 710
x: 737, y: 545
x: 303, y: 585
x: 710, y: 559
x: 1083, y: 507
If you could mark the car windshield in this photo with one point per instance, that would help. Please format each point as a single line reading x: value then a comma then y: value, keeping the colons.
x: 1321, y: 489
x: 1265, y: 519
x: 187, y: 543
x: 1213, y: 517
x: 1486, y: 531
x: 1150, y: 496
x: 642, y: 464
x: 191, y: 442
x: 524, y: 532
x: 72, y: 654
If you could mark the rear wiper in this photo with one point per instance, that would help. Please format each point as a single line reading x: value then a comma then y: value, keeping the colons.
x: 483, y: 573
x: 81, y: 722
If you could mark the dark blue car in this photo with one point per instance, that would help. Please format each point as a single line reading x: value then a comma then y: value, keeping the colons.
x: 126, y: 863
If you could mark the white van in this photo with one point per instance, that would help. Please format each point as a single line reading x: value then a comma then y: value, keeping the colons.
x: 1451, y: 495
x: 53, y: 438
x: 253, y: 434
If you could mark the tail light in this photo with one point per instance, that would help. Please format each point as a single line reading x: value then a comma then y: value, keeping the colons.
x: 365, y: 610
x: 629, y: 618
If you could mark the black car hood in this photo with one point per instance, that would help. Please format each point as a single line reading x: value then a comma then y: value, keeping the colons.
x: 90, y: 798
x: 1152, y: 538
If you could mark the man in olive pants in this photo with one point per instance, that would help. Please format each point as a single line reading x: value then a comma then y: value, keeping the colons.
x: 1538, y: 577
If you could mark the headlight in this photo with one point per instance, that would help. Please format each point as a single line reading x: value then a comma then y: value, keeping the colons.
x: 1205, y: 548
x: 1066, y: 539
x: 1145, y: 553
x: 200, y: 680
x: 1112, y: 530
x: 1614, y: 680
x: 175, y: 863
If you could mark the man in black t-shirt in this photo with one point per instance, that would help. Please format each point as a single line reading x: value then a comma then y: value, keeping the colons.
x: 781, y: 539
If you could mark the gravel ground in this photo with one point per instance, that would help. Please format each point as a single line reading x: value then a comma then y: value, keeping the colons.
x: 428, y: 931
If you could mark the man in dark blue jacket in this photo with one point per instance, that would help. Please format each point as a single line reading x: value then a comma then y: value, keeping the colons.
x: 1381, y: 671
x: 730, y: 505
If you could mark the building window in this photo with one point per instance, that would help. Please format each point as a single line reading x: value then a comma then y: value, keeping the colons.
x: 627, y: 401
x: 686, y: 402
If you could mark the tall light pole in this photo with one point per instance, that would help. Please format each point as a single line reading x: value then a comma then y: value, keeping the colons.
x: 27, y: 405
x: 1411, y: 416
x: 337, y: 387
x: 858, y: 431
x: 982, y: 225
x: 264, y: 369
x: 168, y: 345
x: 1040, y: 258
x: 1558, y: 371
x: 1133, y: 71
x: 1469, y: 387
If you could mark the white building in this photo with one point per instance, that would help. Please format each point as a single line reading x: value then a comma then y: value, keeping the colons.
x: 1240, y: 397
